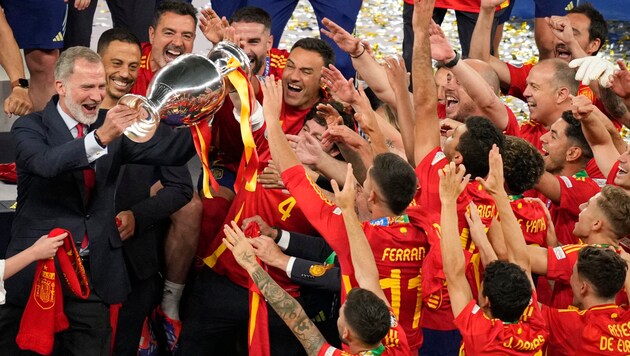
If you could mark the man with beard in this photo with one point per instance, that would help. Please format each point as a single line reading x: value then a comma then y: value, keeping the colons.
x: 67, y: 177
x: 142, y: 213
x: 171, y: 35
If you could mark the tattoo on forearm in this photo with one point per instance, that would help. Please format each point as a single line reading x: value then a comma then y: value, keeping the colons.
x: 612, y: 103
x: 290, y: 311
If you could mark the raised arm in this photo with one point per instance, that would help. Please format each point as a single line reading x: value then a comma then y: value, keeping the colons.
x: 286, y: 306
x: 371, y: 72
x: 495, y: 185
x: 427, y: 126
x: 452, y: 183
x: 361, y: 254
x: 600, y: 140
x: 279, y: 147
x: 480, y: 41
x: 620, y: 82
x: 397, y: 76
x: 479, y: 237
x: 479, y: 90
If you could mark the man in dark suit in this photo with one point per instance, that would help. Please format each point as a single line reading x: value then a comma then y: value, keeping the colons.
x: 55, y: 150
x: 143, y: 215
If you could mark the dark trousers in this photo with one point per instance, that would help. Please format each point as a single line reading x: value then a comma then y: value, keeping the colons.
x: 79, y: 25
x: 216, y: 319
x: 136, y: 16
x: 144, y: 298
x: 343, y: 13
x: 89, y: 332
x: 440, y: 342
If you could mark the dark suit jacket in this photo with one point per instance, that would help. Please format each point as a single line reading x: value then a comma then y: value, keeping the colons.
x: 308, y: 251
x: 51, y: 193
x: 143, y: 250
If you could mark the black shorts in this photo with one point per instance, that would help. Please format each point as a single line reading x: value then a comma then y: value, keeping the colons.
x: 37, y: 24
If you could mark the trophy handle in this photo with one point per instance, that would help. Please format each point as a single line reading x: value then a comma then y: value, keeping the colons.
x: 143, y: 129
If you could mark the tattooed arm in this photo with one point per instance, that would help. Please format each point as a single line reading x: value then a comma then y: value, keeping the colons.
x: 286, y: 306
x: 615, y: 106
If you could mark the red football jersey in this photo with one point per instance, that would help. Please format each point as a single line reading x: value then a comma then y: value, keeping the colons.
x: 461, y: 5
x: 560, y: 261
x: 394, y: 344
x: 575, y: 190
x: 512, y: 127
x: 400, y: 246
x: 531, y: 131
x: 145, y: 73
x: 438, y: 314
x: 484, y: 336
x: 532, y: 219
x: 600, y: 330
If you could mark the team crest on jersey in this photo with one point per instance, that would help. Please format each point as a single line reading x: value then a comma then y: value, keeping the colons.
x: 393, y: 321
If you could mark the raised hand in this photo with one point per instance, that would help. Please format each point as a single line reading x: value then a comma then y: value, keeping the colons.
x: 561, y: 28
x: 212, y: 26
x: 330, y: 114
x: 581, y: 106
x: 620, y: 84
x: 309, y: 150
x: 441, y: 49
x: 476, y: 226
x: 494, y: 184
x: 453, y: 181
x: 270, y: 177
x: 342, y: 38
x: 397, y: 74
x: 337, y: 83
x: 345, y: 198
x: 272, y: 103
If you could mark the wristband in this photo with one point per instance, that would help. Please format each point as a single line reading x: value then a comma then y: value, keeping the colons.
x: 360, y: 54
x: 453, y: 62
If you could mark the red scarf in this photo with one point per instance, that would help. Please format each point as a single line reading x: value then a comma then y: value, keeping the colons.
x: 44, y: 316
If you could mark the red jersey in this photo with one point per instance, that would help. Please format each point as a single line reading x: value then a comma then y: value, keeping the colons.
x: 400, y: 246
x: 531, y: 131
x: 460, y: 5
x: 484, y: 336
x: 574, y: 191
x: 512, y: 128
x: 275, y: 62
x: 612, y: 174
x: 145, y: 73
x: 600, y: 330
x: 438, y: 314
x: 532, y: 219
x: 394, y: 344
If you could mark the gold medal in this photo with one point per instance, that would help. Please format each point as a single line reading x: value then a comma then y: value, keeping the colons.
x: 317, y: 270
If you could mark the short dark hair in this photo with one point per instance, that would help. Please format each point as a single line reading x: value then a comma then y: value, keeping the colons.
x: 252, y: 14
x: 598, y: 27
x: 603, y: 268
x: 316, y: 45
x: 116, y: 34
x: 395, y: 179
x: 178, y: 7
x: 615, y: 205
x: 476, y: 143
x: 523, y: 165
x: 563, y: 75
x: 508, y: 288
x: 367, y: 315
x: 575, y: 134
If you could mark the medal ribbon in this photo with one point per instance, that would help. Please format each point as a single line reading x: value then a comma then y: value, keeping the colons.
x: 249, y: 163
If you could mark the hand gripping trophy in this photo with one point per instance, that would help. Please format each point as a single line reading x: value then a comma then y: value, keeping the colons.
x: 188, y: 91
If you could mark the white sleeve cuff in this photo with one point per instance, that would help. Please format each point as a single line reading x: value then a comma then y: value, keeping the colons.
x: 290, y: 266
x: 284, y: 240
x: 92, y: 149
x: 256, y: 118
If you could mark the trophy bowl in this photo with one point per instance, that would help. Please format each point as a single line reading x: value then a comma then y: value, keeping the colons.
x: 185, y: 92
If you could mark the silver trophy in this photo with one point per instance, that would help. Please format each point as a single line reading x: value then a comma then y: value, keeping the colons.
x: 186, y: 91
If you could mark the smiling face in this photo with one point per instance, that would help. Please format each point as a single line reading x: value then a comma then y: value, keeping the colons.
x: 82, y: 92
x: 459, y: 105
x: 580, y: 25
x: 541, y: 94
x: 622, y: 179
x: 173, y: 36
x: 590, y: 213
x: 256, y: 40
x: 555, y: 144
x: 301, y: 78
x: 121, y: 61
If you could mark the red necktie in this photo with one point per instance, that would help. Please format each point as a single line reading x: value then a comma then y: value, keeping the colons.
x: 89, y: 178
